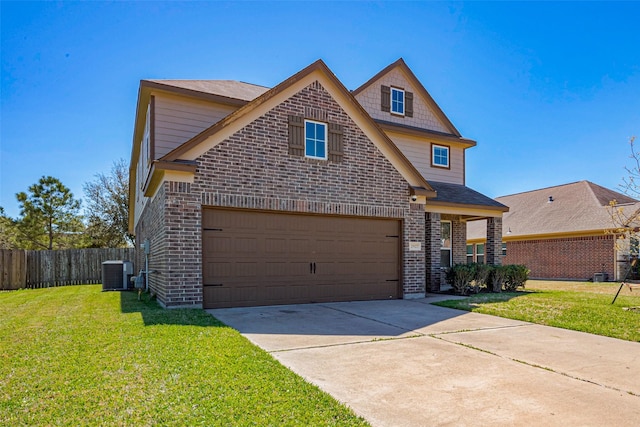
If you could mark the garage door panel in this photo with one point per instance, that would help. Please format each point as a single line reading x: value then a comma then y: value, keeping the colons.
x: 269, y: 258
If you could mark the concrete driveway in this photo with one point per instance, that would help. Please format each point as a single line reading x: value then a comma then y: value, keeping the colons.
x: 410, y: 363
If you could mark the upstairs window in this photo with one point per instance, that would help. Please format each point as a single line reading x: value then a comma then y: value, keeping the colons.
x: 315, y: 140
x: 397, y: 101
x: 440, y: 156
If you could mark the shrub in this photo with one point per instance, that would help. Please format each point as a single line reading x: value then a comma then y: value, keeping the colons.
x: 497, y: 278
x: 516, y: 276
x: 482, y: 275
x: 459, y: 277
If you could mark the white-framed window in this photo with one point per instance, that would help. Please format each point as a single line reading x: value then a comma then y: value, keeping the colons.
x: 440, y: 156
x: 469, y: 254
x: 397, y: 101
x: 504, y: 249
x: 480, y: 253
x: 315, y: 139
x: 445, y: 247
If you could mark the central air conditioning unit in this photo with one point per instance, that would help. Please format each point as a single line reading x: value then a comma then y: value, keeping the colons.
x: 116, y: 275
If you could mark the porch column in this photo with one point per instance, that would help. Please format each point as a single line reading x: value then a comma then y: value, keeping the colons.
x: 432, y: 250
x: 493, y: 248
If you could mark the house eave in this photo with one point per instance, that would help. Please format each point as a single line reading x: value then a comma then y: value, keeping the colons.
x: 425, y: 133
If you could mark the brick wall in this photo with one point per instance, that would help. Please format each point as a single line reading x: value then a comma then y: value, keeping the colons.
x: 433, y: 234
x: 568, y: 258
x: 253, y: 169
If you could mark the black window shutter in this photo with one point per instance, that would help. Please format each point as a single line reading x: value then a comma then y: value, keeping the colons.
x: 336, y: 149
x: 296, y: 135
x: 408, y: 108
x: 386, y: 98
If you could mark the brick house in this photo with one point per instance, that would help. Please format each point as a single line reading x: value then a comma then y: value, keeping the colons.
x: 304, y: 192
x: 561, y: 232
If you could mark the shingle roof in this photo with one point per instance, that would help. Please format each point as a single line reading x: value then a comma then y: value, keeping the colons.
x: 227, y: 88
x: 575, y: 207
x: 459, y: 194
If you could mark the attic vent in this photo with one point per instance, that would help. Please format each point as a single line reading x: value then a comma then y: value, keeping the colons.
x: 550, y: 199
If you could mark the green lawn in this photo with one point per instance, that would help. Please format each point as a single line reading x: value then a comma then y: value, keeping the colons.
x: 78, y: 356
x: 578, y: 306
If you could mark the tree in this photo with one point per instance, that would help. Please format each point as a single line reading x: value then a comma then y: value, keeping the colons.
x: 626, y: 216
x: 107, y: 208
x: 8, y: 232
x: 49, y: 214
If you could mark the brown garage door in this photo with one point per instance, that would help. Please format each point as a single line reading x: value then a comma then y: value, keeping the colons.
x: 261, y: 258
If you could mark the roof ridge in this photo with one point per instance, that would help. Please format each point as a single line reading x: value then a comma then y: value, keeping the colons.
x: 543, y: 188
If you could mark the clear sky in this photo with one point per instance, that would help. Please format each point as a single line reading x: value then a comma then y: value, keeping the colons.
x: 551, y: 91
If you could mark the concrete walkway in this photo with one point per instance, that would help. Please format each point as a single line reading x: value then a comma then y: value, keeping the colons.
x: 409, y: 363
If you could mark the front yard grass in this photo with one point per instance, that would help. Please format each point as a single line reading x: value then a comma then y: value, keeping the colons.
x: 580, y: 306
x: 78, y: 356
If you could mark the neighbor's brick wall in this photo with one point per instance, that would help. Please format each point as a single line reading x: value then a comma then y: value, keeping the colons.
x: 423, y: 117
x: 253, y: 169
x: 569, y: 258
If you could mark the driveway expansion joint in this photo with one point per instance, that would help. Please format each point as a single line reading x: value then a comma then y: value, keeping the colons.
x: 370, y: 319
x: 372, y: 340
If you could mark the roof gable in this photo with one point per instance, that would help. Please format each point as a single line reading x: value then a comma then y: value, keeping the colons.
x: 427, y: 115
x: 318, y: 71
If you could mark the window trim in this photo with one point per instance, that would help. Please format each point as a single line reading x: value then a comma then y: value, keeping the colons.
x: 326, y: 139
x: 433, y: 148
x: 404, y: 101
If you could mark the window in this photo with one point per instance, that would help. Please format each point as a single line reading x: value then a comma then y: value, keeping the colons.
x: 440, y: 156
x: 397, y: 101
x: 469, y: 254
x: 634, y: 246
x: 480, y: 253
x: 445, y: 247
x: 504, y: 249
x: 315, y: 140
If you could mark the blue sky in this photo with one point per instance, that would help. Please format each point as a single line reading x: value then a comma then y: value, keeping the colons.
x: 551, y: 91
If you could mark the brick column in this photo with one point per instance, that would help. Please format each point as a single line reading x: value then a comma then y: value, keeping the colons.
x: 493, y: 248
x: 432, y: 251
x: 458, y: 241
x: 414, y: 261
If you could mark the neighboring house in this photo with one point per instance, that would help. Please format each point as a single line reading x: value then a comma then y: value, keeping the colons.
x: 304, y: 192
x: 562, y: 232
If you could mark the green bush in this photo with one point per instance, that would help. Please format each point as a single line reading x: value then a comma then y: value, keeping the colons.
x: 472, y: 278
x: 459, y: 277
x: 482, y: 276
x: 497, y: 278
x: 516, y: 276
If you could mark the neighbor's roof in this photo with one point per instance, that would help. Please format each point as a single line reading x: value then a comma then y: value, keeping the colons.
x: 227, y: 88
x: 571, y: 208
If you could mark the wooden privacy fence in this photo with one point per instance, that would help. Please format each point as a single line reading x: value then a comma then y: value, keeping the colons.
x: 41, y: 269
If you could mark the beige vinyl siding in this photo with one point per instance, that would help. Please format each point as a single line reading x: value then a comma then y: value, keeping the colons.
x: 418, y: 151
x: 178, y: 119
x: 423, y: 116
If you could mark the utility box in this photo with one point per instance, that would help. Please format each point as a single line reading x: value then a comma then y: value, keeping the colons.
x: 600, y: 277
x: 116, y: 275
